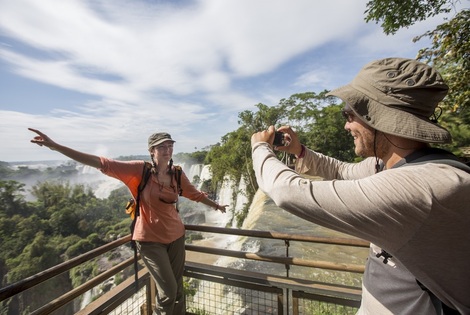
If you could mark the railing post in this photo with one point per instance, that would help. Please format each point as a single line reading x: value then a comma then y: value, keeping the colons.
x: 287, y: 256
x: 295, y: 305
x: 287, y: 243
x: 280, y: 304
x: 151, y: 295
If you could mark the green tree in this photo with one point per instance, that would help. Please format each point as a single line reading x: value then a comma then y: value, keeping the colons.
x: 302, y: 109
x: 12, y: 200
x: 328, y: 135
x: 37, y: 256
x: 232, y: 157
x: 316, y: 119
x: 395, y: 15
x: 449, y: 53
x: 319, y: 124
x: 197, y: 157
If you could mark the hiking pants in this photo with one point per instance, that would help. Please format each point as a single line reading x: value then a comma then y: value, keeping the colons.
x: 165, y: 263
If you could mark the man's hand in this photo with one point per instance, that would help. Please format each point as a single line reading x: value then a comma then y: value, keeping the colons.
x: 293, y: 145
x: 263, y: 136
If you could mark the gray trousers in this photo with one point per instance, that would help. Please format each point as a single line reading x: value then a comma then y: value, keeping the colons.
x: 165, y: 263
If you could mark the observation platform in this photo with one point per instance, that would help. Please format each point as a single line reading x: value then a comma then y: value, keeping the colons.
x: 213, y: 289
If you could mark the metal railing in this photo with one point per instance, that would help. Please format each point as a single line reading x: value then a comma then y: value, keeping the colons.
x: 211, y: 289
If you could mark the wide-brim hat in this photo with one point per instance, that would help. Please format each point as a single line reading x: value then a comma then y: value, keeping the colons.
x: 158, y: 138
x: 398, y: 96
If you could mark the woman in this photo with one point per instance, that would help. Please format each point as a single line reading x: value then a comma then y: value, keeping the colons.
x: 159, y: 231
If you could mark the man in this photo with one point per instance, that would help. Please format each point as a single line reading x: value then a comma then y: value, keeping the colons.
x: 410, y: 201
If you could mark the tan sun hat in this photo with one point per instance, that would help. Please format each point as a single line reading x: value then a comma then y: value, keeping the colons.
x: 158, y: 138
x: 398, y: 96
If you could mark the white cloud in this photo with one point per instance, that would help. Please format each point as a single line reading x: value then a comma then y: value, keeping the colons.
x: 166, y: 52
x: 186, y: 67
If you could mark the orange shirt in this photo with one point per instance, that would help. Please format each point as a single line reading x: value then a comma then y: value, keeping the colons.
x: 159, y: 220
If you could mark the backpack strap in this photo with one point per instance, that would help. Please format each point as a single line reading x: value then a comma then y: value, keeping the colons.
x: 440, y: 156
x: 178, y: 172
x: 433, y: 155
x: 146, y: 172
x: 439, y: 306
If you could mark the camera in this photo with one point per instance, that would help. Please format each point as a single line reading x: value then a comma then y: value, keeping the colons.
x: 279, y: 139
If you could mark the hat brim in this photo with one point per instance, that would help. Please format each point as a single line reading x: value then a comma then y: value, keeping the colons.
x: 391, y: 120
x: 160, y: 142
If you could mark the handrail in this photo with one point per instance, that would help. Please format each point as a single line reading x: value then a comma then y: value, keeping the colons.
x: 67, y: 297
x: 40, y: 277
x: 276, y: 259
x: 282, y: 236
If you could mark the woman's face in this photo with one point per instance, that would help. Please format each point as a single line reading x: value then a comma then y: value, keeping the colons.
x: 162, y: 152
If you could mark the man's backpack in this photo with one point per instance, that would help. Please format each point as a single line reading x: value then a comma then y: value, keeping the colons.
x: 434, y: 155
x: 133, y: 207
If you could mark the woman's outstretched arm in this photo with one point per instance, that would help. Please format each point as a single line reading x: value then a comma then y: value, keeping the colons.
x: 88, y: 159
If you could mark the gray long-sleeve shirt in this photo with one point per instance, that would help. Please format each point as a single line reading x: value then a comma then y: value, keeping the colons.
x: 420, y: 214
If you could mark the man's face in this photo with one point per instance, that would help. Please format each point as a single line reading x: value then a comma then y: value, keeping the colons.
x: 364, y: 137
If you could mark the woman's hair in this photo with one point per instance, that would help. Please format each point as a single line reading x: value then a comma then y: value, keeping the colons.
x: 154, y: 166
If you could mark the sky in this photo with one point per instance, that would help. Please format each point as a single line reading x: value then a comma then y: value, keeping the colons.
x: 100, y: 76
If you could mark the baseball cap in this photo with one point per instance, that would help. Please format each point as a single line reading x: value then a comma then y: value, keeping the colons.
x: 157, y: 138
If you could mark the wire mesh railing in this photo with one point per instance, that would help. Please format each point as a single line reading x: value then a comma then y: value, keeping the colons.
x: 209, y: 289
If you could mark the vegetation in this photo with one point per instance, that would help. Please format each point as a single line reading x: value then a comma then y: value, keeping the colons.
x: 316, y: 119
x: 449, y: 53
x: 64, y: 221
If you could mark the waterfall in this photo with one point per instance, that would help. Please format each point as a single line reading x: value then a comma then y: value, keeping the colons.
x: 194, y: 170
x: 85, y: 169
x: 101, y: 184
x: 204, y: 175
x: 221, y: 295
x: 224, y: 197
x: 242, y: 198
x: 265, y: 215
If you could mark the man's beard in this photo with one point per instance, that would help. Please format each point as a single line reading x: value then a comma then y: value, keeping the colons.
x: 372, y: 143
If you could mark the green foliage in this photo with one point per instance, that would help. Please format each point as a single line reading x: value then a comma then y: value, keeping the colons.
x: 328, y: 135
x: 35, y: 257
x: 81, y: 273
x: 397, y: 14
x: 316, y: 119
x: 64, y: 221
x: 319, y: 124
x: 11, y: 199
x: 84, y: 245
x: 227, y: 158
x: 459, y: 129
x: 197, y: 157
x: 302, y: 109
x: 449, y: 54
x: 115, y: 231
x: 240, y: 217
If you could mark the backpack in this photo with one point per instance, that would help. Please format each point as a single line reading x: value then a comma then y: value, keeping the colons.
x: 133, y: 208
x: 434, y: 155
